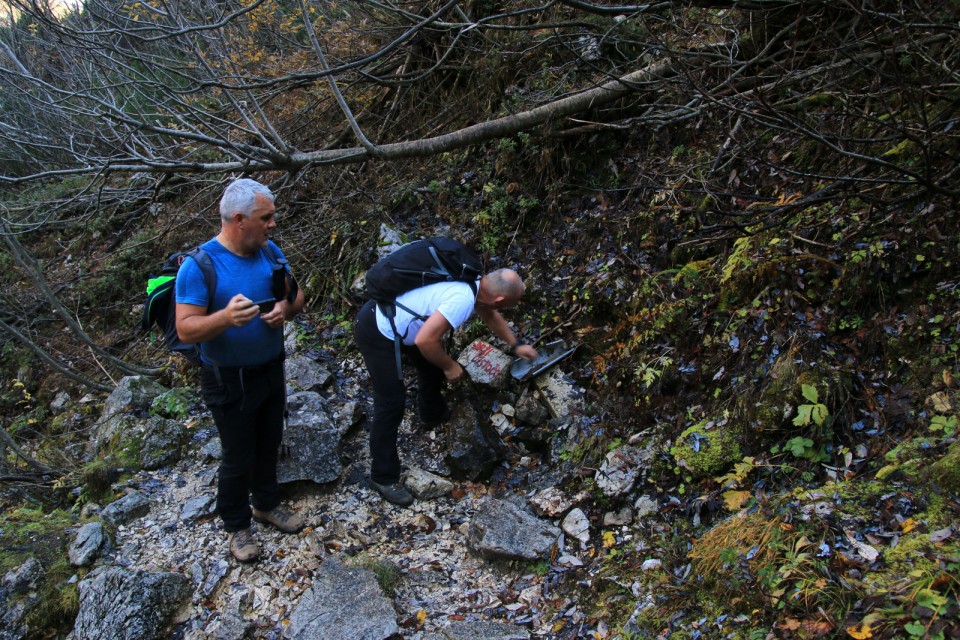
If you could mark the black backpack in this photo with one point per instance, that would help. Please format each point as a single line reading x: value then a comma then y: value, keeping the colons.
x: 418, y: 264
x: 160, y: 307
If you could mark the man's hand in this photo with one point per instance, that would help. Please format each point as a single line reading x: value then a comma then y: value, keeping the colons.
x: 526, y: 352
x: 240, y: 310
x: 276, y: 316
x: 453, y: 373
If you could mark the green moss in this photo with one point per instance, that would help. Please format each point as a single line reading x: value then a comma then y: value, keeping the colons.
x: 946, y: 471
x: 95, y: 480
x: 32, y: 533
x: 939, y: 513
x: 706, y: 450
x: 126, y: 443
x: 910, y: 556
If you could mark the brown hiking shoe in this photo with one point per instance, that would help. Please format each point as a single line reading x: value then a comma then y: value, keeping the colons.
x: 286, y: 520
x: 243, y: 546
x: 395, y: 493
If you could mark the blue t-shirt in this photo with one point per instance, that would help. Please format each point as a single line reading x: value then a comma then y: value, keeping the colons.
x: 252, y: 344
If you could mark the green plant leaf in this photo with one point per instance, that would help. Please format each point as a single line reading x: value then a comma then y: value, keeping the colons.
x: 810, y: 393
x: 798, y: 446
x: 819, y: 413
x: 803, y: 415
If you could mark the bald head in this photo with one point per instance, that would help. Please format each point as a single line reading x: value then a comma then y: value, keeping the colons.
x: 501, y: 288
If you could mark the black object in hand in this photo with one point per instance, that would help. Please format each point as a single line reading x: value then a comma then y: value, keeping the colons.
x: 266, y: 306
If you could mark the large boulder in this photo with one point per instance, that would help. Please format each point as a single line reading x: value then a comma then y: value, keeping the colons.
x: 502, y: 530
x: 311, y: 441
x: 132, y: 396
x: 344, y: 603
x: 474, y: 449
x: 116, y: 604
x: 18, y: 596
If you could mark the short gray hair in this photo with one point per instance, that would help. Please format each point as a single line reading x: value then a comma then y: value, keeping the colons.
x: 240, y: 197
x: 506, y: 283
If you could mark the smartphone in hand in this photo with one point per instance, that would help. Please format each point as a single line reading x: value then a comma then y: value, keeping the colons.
x: 266, y: 306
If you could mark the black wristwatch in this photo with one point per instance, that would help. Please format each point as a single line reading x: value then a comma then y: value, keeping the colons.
x: 513, y: 349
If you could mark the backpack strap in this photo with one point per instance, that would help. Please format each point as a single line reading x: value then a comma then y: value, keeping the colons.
x: 209, y: 271
x: 281, y: 275
x: 389, y: 309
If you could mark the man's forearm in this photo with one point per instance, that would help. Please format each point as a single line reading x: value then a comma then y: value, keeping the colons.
x: 202, y: 328
x: 498, y: 326
x: 435, y: 355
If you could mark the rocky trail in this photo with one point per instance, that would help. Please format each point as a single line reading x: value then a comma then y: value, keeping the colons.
x: 469, y: 559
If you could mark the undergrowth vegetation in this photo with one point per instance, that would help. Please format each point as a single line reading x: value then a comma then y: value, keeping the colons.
x: 769, y: 285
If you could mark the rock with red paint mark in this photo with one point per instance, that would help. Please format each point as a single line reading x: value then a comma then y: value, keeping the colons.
x: 486, y: 364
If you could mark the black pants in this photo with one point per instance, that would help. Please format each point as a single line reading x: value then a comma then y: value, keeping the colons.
x: 247, y: 406
x: 389, y: 393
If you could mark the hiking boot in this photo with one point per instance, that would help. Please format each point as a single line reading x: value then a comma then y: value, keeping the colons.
x: 436, y: 422
x: 286, y: 520
x: 395, y: 493
x: 243, y: 546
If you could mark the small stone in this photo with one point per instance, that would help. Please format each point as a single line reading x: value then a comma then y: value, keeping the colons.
x: 650, y: 565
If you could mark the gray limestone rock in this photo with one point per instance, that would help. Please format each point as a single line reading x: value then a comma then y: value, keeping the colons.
x: 199, y: 507
x: 502, y: 530
x: 133, y: 395
x: 530, y: 410
x: 485, y: 364
x: 18, y: 596
x: 427, y: 486
x: 90, y: 543
x: 344, y: 603
x: 131, y: 506
x: 550, y: 502
x: 560, y: 395
x: 576, y: 525
x: 163, y: 442
x: 116, y: 604
x: 620, y: 470
x: 473, y: 449
x: 311, y: 441
x: 25, y: 578
x: 305, y: 374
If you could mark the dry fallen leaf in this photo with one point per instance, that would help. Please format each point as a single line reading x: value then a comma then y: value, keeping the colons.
x: 733, y: 500
x: 860, y: 633
x: 790, y: 624
x: 941, y: 535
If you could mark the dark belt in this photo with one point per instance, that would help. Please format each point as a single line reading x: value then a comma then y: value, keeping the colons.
x: 246, y: 369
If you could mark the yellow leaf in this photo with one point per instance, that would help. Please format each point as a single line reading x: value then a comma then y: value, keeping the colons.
x: 860, y: 633
x: 733, y: 500
x: 908, y: 525
x: 421, y: 616
x: 609, y: 539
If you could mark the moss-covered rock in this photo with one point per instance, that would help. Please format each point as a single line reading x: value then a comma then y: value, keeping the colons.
x: 946, y: 471
x: 707, y: 448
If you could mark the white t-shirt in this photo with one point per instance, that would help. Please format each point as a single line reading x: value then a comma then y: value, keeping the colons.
x: 454, y: 300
